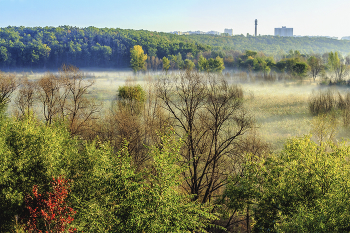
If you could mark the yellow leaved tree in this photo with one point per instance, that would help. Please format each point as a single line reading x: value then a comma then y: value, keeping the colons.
x: 138, y: 58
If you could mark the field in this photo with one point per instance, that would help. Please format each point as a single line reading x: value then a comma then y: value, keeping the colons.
x: 280, y: 108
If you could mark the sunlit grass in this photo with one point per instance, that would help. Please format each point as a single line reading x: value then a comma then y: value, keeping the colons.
x: 281, y: 110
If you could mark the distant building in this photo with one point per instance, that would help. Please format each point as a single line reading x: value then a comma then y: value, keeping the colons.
x: 228, y: 31
x: 177, y: 33
x: 346, y: 38
x: 213, y: 33
x: 196, y: 32
x: 283, y: 31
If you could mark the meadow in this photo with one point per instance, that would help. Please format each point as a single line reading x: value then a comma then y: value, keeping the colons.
x: 280, y: 108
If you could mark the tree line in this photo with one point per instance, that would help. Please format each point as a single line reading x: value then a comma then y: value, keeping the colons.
x: 39, y: 47
x: 50, y: 47
x: 333, y: 67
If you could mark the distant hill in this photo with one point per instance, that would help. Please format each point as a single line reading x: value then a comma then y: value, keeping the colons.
x: 50, y: 47
x: 85, y: 47
x: 273, y: 45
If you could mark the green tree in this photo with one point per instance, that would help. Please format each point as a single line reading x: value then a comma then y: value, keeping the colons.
x: 3, y: 54
x: 337, y: 66
x: 166, y: 64
x: 30, y: 154
x: 301, y: 189
x: 117, y: 198
x: 189, y: 65
x: 203, y: 64
x: 316, y: 66
x: 300, y: 69
x: 260, y: 65
x: 179, y: 63
x: 216, y: 65
x: 138, y: 58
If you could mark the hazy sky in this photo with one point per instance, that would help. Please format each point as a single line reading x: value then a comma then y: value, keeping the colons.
x: 307, y: 17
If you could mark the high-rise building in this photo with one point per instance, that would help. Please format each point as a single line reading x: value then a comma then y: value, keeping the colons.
x: 228, y: 31
x: 284, y: 31
x: 256, y: 27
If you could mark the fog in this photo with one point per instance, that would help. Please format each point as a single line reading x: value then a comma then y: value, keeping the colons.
x: 280, y: 108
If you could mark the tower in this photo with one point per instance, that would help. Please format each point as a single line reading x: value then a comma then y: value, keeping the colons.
x: 256, y: 27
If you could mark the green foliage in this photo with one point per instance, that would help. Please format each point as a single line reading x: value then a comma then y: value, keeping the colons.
x: 188, y: 64
x: 30, y: 154
x: 316, y: 66
x: 3, y: 54
x: 203, y: 64
x: 107, y: 192
x: 132, y: 93
x: 216, y: 65
x: 112, y: 197
x: 300, y: 68
x: 250, y: 53
x: 293, y: 66
x: 333, y: 61
x: 211, y: 65
x: 302, y: 189
x: 166, y: 64
x: 85, y: 47
x: 272, y: 45
x: 138, y: 58
x: 261, y: 64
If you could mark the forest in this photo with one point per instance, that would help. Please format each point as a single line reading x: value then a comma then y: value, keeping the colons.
x: 85, y: 47
x: 273, y: 45
x: 201, y: 134
x: 50, y: 47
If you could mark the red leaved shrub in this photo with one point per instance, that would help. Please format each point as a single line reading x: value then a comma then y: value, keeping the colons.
x: 50, y: 213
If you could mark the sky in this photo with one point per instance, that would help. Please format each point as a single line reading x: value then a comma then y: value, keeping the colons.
x: 306, y: 17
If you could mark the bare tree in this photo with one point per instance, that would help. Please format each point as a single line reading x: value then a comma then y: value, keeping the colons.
x: 209, y: 114
x: 77, y: 107
x: 316, y: 66
x: 136, y: 120
x: 52, y: 96
x: 26, y: 97
x: 8, y: 85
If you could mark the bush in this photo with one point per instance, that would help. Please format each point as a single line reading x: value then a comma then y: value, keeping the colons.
x: 132, y: 93
x: 50, y: 212
x: 344, y: 106
x: 322, y: 102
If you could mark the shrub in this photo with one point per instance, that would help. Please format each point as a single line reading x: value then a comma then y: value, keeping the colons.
x: 132, y: 93
x: 51, y: 214
x: 344, y: 106
x: 322, y: 102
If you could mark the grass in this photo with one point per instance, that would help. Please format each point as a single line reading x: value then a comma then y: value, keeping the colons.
x: 280, y: 108
x: 280, y: 111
